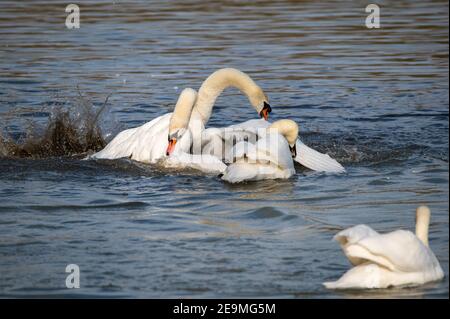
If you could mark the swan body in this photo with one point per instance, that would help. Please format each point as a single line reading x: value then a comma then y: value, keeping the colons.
x: 215, y: 139
x: 148, y: 143
x: 269, y: 158
x: 399, y: 258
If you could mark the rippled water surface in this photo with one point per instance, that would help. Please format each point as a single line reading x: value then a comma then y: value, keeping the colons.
x: 376, y: 100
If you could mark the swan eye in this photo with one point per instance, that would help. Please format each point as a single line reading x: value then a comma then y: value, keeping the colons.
x: 174, y: 135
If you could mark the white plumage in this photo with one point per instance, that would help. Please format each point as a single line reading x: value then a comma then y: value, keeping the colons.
x: 216, y: 138
x: 398, y: 258
x: 269, y: 158
x: 148, y: 143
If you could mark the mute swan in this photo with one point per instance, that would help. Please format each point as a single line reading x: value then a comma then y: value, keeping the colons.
x: 216, y: 139
x: 269, y: 158
x: 180, y: 139
x: 399, y: 258
x: 148, y: 143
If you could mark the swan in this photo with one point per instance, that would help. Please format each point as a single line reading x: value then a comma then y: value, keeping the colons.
x: 178, y: 139
x: 399, y: 258
x: 216, y: 139
x: 269, y: 158
x: 148, y: 143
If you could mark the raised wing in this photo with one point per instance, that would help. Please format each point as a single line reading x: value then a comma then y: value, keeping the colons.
x: 315, y: 160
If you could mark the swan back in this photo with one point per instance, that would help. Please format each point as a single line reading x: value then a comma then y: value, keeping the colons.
x: 272, y: 148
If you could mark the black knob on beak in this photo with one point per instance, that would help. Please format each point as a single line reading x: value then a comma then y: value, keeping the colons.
x: 293, y: 150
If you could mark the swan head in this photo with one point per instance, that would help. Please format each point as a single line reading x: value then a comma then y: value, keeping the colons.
x: 173, y: 138
x: 260, y: 102
x: 265, y: 111
x: 289, y: 129
x: 423, y: 215
x: 181, y: 115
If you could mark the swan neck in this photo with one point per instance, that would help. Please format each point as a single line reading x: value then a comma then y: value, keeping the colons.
x: 183, y: 110
x: 215, y: 84
x: 422, y: 225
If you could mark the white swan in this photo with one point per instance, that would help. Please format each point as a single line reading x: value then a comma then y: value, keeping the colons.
x: 399, y: 258
x: 148, y: 143
x: 215, y: 139
x: 180, y: 140
x: 269, y: 158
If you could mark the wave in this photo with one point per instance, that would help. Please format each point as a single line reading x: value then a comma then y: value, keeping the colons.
x: 361, y: 149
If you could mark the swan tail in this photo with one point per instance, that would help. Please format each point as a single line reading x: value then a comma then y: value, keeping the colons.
x: 315, y: 160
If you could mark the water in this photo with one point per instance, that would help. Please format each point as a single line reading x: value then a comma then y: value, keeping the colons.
x: 376, y: 100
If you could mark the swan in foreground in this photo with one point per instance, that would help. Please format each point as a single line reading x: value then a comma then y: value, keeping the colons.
x: 216, y: 139
x: 148, y: 143
x: 269, y: 158
x: 399, y: 258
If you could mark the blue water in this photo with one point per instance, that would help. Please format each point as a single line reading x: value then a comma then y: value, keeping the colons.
x: 374, y: 99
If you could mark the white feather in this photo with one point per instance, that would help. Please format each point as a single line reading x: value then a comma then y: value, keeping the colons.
x: 398, y: 258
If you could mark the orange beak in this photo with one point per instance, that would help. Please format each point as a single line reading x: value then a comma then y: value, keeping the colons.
x: 265, y: 114
x: 265, y: 111
x: 171, y: 146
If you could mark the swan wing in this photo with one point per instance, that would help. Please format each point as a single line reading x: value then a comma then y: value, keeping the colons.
x: 272, y: 149
x: 269, y: 158
x: 351, y: 236
x: 149, y: 142
x: 315, y: 160
x: 404, y: 251
x: 144, y: 143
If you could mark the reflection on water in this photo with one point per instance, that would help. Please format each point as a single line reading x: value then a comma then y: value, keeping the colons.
x: 377, y: 100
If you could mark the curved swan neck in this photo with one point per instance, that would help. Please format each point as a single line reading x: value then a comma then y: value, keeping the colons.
x: 423, y: 216
x: 214, y: 85
x: 287, y: 128
x: 183, y: 109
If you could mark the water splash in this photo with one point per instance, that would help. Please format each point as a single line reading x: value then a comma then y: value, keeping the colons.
x: 69, y: 131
